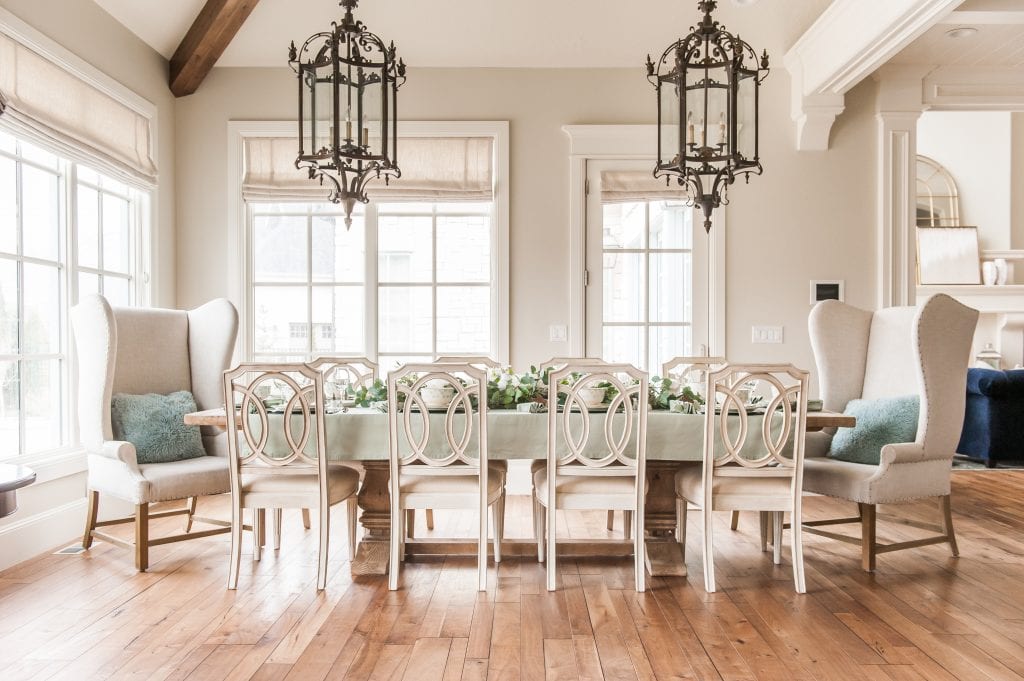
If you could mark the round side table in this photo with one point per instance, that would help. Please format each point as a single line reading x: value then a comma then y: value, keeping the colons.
x: 13, y: 478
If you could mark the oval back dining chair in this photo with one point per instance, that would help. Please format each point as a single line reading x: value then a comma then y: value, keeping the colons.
x: 440, y: 460
x: 750, y: 463
x: 606, y: 473
x: 281, y: 462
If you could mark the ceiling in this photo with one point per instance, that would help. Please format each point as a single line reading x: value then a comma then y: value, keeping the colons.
x: 997, y: 43
x: 482, y: 33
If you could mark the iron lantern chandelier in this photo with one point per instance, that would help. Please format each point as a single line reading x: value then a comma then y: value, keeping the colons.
x: 708, y: 86
x: 348, y: 108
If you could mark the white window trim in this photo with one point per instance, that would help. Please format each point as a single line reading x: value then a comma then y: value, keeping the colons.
x: 237, y: 265
x: 624, y: 142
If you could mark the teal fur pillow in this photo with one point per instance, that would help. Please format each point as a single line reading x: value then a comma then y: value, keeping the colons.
x: 155, y: 424
x: 879, y: 422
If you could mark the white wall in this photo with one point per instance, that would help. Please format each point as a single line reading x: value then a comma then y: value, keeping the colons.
x: 974, y: 146
x: 53, y: 510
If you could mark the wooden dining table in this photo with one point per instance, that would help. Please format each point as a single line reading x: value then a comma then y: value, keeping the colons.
x: 673, y: 441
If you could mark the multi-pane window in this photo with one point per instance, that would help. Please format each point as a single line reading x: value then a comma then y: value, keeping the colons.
x: 408, y: 281
x: 435, y: 281
x: 307, y: 270
x: 647, y: 275
x: 55, y: 245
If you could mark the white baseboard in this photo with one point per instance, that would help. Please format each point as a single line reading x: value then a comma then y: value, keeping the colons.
x: 32, y: 535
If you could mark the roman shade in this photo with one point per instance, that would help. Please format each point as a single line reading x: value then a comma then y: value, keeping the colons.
x: 433, y: 169
x: 73, y: 115
x: 627, y: 186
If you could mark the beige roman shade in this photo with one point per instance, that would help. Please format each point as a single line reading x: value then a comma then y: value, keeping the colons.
x: 625, y: 186
x: 45, y: 102
x: 433, y: 169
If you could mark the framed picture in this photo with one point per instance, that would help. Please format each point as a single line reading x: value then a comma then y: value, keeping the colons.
x: 827, y: 289
x: 948, y: 255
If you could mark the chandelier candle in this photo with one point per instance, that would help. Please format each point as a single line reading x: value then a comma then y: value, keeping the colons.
x: 714, y: 78
x: 348, y: 75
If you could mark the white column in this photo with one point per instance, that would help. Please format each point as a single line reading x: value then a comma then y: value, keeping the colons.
x: 897, y: 207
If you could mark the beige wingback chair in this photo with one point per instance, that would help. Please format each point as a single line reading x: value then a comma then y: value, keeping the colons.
x: 139, y: 351
x: 897, y: 351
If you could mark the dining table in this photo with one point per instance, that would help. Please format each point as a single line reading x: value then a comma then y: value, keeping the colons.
x: 360, y: 436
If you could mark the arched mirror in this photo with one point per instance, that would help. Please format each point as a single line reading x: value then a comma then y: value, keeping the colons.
x: 938, y: 202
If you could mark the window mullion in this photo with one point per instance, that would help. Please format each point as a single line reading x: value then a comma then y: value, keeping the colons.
x: 20, y: 282
x: 433, y: 281
x: 309, y: 282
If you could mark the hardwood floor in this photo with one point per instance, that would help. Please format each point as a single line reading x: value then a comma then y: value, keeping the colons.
x: 922, y: 616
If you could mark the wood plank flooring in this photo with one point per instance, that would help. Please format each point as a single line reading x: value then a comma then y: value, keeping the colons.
x: 922, y: 616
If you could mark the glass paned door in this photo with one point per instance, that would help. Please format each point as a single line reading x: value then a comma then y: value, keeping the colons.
x: 646, y: 275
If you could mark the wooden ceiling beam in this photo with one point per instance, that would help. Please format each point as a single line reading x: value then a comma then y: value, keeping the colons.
x: 210, y: 34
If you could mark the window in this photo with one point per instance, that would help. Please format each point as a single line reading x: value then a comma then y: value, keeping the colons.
x: 65, y: 231
x: 647, y: 269
x: 408, y: 281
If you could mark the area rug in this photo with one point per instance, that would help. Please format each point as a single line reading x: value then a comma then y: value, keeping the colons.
x: 961, y: 463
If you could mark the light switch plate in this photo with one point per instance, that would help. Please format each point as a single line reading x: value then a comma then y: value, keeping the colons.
x: 766, y: 334
x: 557, y: 333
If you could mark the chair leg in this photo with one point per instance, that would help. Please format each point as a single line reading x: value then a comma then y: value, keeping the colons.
x: 709, y: 561
x: 947, y: 524
x: 550, y: 531
x: 403, y: 532
x: 190, y: 504
x: 395, y: 542
x: 90, y: 518
x: 796, y: 540
x: 735, y: 522
x: 430, y: 518
x: 410, y: 523
x: 352, y: 510
x: 777, y: 537
x: 278, y: 515
x: 538, y: 528
x: 611, y: 520
x: 763, y: 517
x: 639, y: 553
x: 498, y: 511
x: 236, y: 545
x: 867, y: 537
x: 305, y: 518
x: 627, y: 524
x: 325, y: 535
x: 258, y: 516
x: 142, y: 537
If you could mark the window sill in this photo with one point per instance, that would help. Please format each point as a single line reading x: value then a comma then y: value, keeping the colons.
x: 54, y: 465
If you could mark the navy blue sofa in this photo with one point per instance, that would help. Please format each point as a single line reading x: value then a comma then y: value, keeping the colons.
x: 994, y: 422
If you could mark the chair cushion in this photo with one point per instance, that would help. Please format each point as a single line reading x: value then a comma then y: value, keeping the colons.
x: 343, y: 482
x: 452, y: 484
x: 203, y: 476
x: 880, y: 422
x: 593, y: 485
x: 155, y: 424
x: 690, y: 485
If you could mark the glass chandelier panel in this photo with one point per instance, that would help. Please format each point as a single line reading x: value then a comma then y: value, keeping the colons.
x: 348, y: 109
x: 707, y: 86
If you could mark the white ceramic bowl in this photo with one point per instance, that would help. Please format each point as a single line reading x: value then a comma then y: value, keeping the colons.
x: 592, y: 397
x: 437, y: 394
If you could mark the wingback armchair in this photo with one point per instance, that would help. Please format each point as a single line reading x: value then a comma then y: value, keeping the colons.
x: 897, y: 351
x: 140, y: 351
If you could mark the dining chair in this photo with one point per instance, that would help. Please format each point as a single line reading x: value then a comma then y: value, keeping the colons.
x: 280, y: 460
x: 344, y: 370
x: 894, y: 352
x: 558, y: 363
x: 449, y: 471
x: 581, y: 474
x: 751, y: 462
x: 140, y: 351
x: 486, y: 363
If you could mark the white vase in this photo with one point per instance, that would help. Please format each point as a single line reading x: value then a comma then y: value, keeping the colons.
x: 1001, y: 271
x: 988, y: 273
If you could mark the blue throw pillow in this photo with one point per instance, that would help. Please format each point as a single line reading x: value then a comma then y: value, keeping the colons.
x: 879, y: 422
x: 155, y: 424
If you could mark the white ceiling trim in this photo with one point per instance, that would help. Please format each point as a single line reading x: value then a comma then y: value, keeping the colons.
x: 849, y: 42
